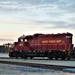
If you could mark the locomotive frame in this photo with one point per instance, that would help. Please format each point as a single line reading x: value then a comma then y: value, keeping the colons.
x: 43, y: 45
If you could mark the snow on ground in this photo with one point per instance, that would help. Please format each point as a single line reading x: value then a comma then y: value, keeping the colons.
x: 6, y: 69
x: 21, y: 70
x: 71, y: 70
x: 4, y: 55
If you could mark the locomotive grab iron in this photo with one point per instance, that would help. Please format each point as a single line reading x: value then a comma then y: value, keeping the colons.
x: 43, y: 45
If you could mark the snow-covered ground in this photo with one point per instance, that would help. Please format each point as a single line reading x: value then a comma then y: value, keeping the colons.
x: 21, y: 70
x: 6, y: 69
x: 4, y: 55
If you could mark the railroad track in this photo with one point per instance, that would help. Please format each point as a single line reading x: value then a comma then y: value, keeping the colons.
x: 38, y: 65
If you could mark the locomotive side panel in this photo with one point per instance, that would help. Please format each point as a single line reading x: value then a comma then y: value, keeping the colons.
x: 57, y: 45
x: 53, y: 45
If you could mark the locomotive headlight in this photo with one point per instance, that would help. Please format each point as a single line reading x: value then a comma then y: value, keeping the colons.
x: 41, y: 51
x: 10, y: 51
x: 34, y: 51
x: 49, y: 51
x: 20, y: 51
x: 29, y: 51
x: 63, y: 50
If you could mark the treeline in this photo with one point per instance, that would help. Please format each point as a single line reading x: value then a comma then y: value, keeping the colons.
x: 4, y: 49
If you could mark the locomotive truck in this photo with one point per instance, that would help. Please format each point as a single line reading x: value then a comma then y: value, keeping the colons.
x: 43, y: 45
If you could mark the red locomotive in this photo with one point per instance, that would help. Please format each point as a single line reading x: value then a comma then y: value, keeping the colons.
x: 43, y: 45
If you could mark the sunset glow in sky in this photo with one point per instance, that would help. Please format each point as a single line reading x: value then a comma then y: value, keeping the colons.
x: 18, y: 17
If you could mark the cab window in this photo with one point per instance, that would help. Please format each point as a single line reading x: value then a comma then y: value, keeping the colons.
x: 21, y: 40
x: 68, y: 36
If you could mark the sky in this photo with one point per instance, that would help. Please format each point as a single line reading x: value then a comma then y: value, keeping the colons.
x: 18, y: 17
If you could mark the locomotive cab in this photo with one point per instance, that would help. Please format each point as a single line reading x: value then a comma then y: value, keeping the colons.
x: 19, y: 47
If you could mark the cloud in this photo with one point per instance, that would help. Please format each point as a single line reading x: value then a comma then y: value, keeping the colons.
x: 6, y: 5
x: 44, y: 12
x: 46, y: 7
x: 3, y: 39
x: 56, y: 24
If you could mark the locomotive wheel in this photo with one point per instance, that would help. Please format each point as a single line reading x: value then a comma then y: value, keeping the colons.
x: 10, y: 56
x: 16, y: 57
x: 56, y: 58
x: 22, y: 57
x: 63, y: 58
x: 25, y: 57
x: 68, y: 58
x: 50, y: 58
x: 31, y: 57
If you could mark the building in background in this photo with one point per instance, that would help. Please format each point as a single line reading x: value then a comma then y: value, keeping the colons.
x: 5, y: 47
